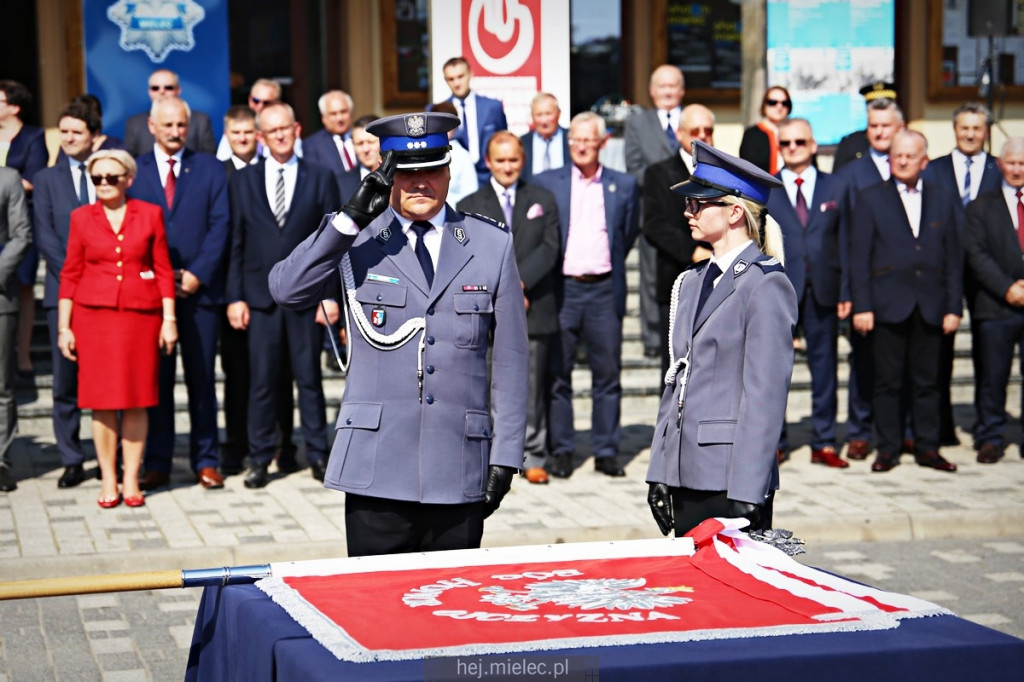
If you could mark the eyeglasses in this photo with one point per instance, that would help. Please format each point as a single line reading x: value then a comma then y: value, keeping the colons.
x: 798, y: 143
x: 106, y: 179
x: 165, y: 88
x: 585, y: 141
x: 778, y: 102
x: 695, y: 205
x: 257, y: 100
x: 694, y: 132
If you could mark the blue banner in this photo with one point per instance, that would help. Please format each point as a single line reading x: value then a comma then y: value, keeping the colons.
x: 126, y: 41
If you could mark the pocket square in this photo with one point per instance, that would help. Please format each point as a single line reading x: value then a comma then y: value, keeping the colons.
x: 536, y: 211
x: 828, y: 206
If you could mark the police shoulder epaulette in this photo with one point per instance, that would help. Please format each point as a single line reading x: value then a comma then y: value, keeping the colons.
x: 487, y: 219
x: 769, y: 264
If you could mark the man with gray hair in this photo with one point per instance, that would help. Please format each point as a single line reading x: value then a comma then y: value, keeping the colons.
x: 906, y: 285
x: 546, y: 146
x: 994, y: 242
x: 598, y: 209
x: 331, y: 147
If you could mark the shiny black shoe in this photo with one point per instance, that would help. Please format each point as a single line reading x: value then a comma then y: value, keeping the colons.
x: 72, y: 476
x: 7, y: 482
x: 256, y: 476
x: 609, y: 466
x: 559, y: 466
x: 318, y: 469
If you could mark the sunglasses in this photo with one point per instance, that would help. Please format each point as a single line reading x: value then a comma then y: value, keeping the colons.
x: 695, y: 205
x: 694, y: 132
x: 165, y: 88
x: 257, y: 100
x: 778, y: 102
x: 798, y: 143
x: 106, y: 179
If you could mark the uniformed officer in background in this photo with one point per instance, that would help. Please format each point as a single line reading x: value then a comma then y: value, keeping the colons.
x: 732, y: 355
x: 425, y: 290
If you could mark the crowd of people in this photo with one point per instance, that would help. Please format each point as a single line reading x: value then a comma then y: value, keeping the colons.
x: 184, y: 226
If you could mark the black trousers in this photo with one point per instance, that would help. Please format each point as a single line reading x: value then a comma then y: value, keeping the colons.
x: 909, y: 349
x: 377, y: 526
x: 690, y: 508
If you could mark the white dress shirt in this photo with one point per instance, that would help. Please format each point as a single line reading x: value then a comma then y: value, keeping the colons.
x: 291, y: 175
x: 911, y: 198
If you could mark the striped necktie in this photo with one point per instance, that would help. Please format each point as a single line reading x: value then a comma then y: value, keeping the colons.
x: 279, y: 208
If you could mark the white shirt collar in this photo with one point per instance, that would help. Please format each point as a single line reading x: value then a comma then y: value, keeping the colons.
x: 725, y: 261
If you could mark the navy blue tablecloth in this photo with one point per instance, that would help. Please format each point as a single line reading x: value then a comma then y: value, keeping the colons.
x: 242, y: 636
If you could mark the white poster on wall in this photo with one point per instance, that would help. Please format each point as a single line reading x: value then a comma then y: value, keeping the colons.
x: 515, y: 48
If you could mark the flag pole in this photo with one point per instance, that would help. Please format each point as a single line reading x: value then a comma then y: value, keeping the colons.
x: 129, y: 582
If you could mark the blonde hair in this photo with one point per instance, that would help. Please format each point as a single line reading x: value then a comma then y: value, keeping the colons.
x: 761, y: 227
x: 118, y: 155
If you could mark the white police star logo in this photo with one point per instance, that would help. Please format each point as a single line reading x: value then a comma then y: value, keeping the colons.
x: 156, y: 26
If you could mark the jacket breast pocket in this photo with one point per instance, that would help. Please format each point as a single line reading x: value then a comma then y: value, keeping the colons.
x: 355, y: 445
x: 476, y: 452
x: 716, y: 432
x: 377, y: 298
x: 473, y: 313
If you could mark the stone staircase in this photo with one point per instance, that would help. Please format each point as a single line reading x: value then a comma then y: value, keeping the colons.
x: 641, y: 377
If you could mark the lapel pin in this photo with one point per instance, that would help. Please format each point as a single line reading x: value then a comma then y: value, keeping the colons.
x: 460, y: 235
x: 739, y: 267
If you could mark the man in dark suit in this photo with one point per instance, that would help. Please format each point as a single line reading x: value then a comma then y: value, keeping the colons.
x: 599, y: 213
x: 807, y: 207
x: 532, y: 216
x: 263, y: 91
x: 331, y: 146
x: 664, y: 224
x: 650, y: 137
x: 967, y: 171
x: 855, y: 145
x: 994, y: 241
x: 138, y: 140
x: 15, y: 238
x: 481, y: 116
x: 546, y: 146
x: 906, y: 284
x: 276, y: 205
x: 885, y: 119
x: 191, y: 189
x: 58, y: 191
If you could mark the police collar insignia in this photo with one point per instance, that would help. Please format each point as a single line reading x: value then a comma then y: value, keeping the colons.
x: 385, y: 234
x: 415, y: 125
x: 739, y: 267
x: 460, y: 235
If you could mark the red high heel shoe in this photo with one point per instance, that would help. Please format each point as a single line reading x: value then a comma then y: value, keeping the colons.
x: 109, y: 502
x: 135, y: 500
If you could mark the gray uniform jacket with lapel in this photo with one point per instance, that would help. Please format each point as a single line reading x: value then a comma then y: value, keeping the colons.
x: 740, y: 354
x: 389, y: 443
x: 15, y: 236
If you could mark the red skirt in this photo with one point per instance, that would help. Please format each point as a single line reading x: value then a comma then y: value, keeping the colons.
x: 118, y: 357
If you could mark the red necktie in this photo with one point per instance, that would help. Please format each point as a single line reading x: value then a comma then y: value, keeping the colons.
x: 802, y: 214
x: 349, y: 164
x: 170, y: 183
x: 1020, y: 220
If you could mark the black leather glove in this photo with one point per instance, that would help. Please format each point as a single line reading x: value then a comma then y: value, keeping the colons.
x: 373, y: 194
x: 749, y: 511
x: 660, y: 500
x: 499, y: 481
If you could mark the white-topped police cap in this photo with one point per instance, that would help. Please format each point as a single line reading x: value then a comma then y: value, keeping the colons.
x: 418, y: 140
x: 718, y: 174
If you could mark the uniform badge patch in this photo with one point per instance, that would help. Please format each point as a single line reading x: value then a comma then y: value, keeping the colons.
x: 415, y: 125
x: 385, y: 234
x: 739, y: 267
x: 460, y: 235
x: 378, y: 317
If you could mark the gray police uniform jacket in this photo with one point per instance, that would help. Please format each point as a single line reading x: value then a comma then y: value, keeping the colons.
x: 395, y: 440
x: 725, y: 397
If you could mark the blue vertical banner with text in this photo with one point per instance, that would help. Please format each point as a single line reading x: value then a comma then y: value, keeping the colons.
x: 125, y: 41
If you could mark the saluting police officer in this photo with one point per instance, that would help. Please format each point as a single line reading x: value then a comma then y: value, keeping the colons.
x: 425, y: 290
x: 732, y: 355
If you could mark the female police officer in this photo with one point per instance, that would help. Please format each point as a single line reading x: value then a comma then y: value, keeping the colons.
x: 731, y: 340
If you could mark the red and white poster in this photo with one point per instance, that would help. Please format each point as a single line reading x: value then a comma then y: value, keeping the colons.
x: 515, y: 48
x: 517, y: 599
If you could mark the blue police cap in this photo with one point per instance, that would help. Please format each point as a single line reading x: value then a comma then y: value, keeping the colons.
x: 418, y: 140
x: 718, y: 174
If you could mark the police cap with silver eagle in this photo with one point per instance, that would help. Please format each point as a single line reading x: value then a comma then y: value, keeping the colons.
x: 718, y: 174
x: 417, y: 140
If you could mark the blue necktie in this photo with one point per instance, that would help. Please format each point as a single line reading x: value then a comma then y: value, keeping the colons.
x: 421, y: 227
x: 671, y: 134
x: 463, y: 133
x: 506, y: 207
x: 966, y: 197
x: 706, y: 287
x: 83, y: 186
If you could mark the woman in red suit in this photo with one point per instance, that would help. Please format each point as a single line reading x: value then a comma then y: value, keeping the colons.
x: 115, y: 314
